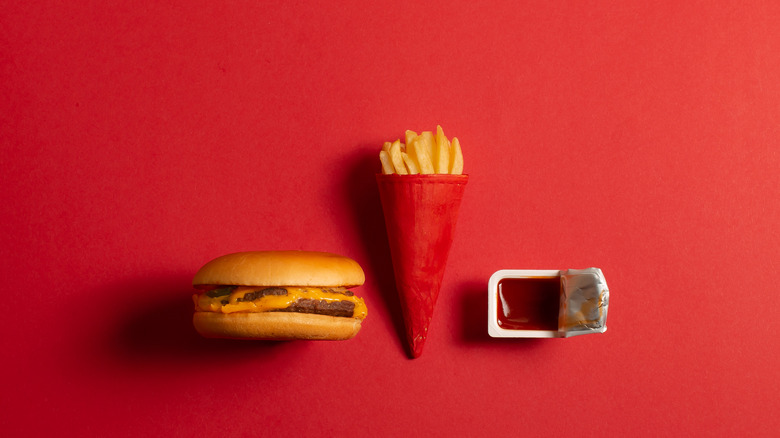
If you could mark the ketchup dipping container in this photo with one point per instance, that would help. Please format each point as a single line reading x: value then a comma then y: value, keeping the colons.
x: 547, y: 303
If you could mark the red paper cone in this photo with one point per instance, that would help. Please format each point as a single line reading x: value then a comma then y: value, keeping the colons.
x: 420, y: 214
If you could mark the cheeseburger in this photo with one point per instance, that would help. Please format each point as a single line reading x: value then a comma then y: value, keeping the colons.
x: 278, y: 295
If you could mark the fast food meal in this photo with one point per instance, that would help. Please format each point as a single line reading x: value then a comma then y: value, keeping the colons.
x: 279, y: 295
x: 421, y: 187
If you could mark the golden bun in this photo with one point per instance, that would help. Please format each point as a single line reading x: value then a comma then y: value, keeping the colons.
x: 275, y: 325
x: 281, y: 268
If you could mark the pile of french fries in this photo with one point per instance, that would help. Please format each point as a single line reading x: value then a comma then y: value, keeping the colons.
x: 426, y: 153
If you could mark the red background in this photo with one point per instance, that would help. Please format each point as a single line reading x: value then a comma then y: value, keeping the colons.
x: 141, y: 140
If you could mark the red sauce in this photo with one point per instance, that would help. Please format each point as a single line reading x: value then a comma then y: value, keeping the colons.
x: 529, y: 303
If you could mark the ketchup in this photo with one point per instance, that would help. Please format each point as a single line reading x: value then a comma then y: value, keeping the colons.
x: 529, y: 303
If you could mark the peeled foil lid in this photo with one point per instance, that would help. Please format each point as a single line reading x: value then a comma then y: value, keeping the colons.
x: 584, y: 302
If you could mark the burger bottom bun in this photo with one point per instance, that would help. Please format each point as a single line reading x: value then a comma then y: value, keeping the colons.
x: 275, y: 325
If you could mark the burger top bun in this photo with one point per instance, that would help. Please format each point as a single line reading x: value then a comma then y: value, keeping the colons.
x: 281, y: 268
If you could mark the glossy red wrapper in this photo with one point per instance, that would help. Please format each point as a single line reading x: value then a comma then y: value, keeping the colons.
x: 421, y: 212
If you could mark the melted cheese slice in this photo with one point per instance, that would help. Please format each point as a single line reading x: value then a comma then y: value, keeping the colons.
x: 205, y: 303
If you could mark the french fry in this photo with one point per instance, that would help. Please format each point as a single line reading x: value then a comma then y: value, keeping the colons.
x: 423, y: 149
x: 395, y: 157
x: 410, y: 164
x: 411, y: 150
x: 456, y: 159
x: 386, y: 147
x: 410, y: 136
x: 427, y: 140
x: 387, y: 165
x: 441, y: 152
x: 423, y: 158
